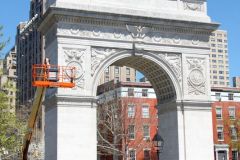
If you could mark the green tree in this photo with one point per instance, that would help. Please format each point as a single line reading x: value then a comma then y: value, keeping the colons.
x: 11, y: 129
x: 2, y: 42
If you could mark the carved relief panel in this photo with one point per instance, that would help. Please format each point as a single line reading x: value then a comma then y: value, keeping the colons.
x: 194, y: 5
x: 196, y: 77
x: 74, y: 57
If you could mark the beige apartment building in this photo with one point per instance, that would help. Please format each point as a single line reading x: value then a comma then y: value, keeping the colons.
x: 219, y: 64
x: 8, y: 77
x: 116, y: 73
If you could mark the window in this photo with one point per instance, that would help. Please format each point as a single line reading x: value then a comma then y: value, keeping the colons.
x: 220, y: 61
x: 107, y: 70
x: 213, y: 45
x: 219, y: 113
x: 221, y: 77
x: 221, y: 66
x: 116, y: 79
x: 230, y: 96
x: 220, y: 56
x: 218, y: 95
x: 220, y: 45
x: 131, y: 110
x: 221, y: 72
x: 147, y: 155
x: 214, y: 55
x: 132, y: 155
x: 214, y: 71
x: 219, y: 40
x: 128, y: 79
x: 106, y: 79
x: 220, y: 133
x: 214, y: 50
x: 145, y: 111
x: 116, y: 70
x: 220, y: 51
x: 144, y: 92
x: 214, y: 77
x: 233, y: 133
x: 146, y: 131
x: 222, y: 83
x: 234, y: 155
x: 131, y: 131
x: 212, y: 40
x: 231, y: 111
x: 130, y: 92
x: 128, y: 71
x: 214, y: 61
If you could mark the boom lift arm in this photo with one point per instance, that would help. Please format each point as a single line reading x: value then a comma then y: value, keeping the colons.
x: 45, y: 76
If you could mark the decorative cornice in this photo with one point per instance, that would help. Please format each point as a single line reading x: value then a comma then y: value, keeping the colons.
x: 103, y: 19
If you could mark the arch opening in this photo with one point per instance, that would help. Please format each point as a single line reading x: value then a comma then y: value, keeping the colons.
x: 162, y: 78
x: 130, y: 109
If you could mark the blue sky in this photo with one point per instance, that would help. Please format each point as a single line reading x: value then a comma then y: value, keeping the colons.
x: 222, y: 11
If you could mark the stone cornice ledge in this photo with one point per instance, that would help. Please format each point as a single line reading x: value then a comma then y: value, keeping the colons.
x: 71, y: 100
x: 184, y: 106
x: 55, y: 14
x: 195, y: 105
x: 136, y: 10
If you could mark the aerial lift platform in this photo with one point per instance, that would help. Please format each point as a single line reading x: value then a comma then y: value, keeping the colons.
x: 45, y: 76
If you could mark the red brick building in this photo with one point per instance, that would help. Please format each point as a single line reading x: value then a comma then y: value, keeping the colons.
x: 226, y: 123
x: 137, y: 118
x: 137, y: 103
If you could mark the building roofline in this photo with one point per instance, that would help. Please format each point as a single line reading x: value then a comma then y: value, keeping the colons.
x: 225, y: 89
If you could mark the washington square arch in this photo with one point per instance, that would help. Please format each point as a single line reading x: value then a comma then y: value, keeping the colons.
x: 167, y: 40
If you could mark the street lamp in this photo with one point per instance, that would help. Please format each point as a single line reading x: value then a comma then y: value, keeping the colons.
x: 158, y: 143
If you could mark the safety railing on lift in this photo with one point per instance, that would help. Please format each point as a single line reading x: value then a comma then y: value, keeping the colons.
x: 53, y: 76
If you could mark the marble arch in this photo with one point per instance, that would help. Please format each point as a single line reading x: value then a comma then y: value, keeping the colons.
x: 165, y: 39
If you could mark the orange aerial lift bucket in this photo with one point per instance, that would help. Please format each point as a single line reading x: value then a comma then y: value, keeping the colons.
x: 53, y: 76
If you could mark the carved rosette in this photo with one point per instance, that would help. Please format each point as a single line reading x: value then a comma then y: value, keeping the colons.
x: 73, y: 57
x: 196, y: 77
x: 98, y: 55
x: 174, y: 61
